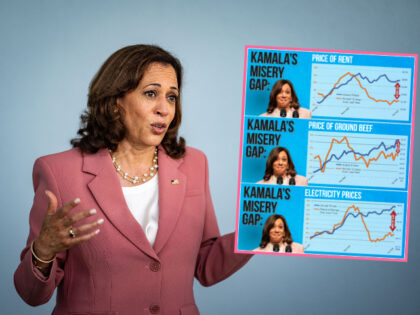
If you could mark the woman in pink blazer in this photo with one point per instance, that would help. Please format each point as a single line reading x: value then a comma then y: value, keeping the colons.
x: 142, y: 261
x: 284, y: 102
x: 280, y: 170
x: 276, y: 237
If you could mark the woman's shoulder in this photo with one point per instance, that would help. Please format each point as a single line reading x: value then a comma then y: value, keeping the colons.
x: 68, y: 156
x: 271, y: 181
x: 194, y: 155
x: 61, y: 165
x: 274, y: 113
x: 305, y: 113
x: 193, y: 159
x: 297, y: 248
x: 301, y: 180
x: 267, y: 248
x: 193, y: 152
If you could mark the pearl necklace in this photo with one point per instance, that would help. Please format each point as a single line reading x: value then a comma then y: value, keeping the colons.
x: 136, y: 179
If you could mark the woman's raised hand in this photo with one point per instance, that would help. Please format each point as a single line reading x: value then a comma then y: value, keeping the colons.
x: 58, y: 233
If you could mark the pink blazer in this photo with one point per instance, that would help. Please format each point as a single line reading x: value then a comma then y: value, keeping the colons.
x: 303, y: 113
x: 118, y: 272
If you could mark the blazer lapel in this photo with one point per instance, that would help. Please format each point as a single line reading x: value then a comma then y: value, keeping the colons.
x: 106, y: 189
x: 172, y: 186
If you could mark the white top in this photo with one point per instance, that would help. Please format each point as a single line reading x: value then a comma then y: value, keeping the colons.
x: 143, y: 202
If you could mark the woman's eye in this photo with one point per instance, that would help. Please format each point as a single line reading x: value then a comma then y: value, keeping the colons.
x: 172, y: 98
x: 150, y: 93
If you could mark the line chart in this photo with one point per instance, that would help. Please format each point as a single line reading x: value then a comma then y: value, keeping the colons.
x: 354, y: 76
x: 357, y: 155
x: 358, y: 213
x: 360, y: 92
x: 357, y: 159
x: 342, y: 226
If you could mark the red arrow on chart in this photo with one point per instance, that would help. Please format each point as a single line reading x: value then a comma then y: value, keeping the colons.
x: 397, y: 90
x: 393, y: 214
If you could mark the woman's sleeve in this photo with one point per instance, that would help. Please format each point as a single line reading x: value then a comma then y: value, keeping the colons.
x: 31, y: 285
x: 216, y: 260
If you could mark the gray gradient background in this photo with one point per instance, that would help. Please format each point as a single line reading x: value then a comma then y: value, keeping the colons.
x: 50, y: 50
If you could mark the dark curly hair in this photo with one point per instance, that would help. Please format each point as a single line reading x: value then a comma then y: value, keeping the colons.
x: 272, y: 157
x: 272, y: 103
x: 102, y: 123
x: 269, y: 223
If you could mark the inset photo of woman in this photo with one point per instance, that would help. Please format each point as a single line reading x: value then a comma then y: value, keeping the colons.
x: 284, y: 102
x: 280, y: 170
x: 276, y: 237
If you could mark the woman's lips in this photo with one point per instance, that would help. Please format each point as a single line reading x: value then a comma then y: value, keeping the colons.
x: 158, y: 128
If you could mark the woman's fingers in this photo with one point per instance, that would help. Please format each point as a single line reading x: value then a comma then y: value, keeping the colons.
x: 63, y: 239
x: 58, y: 232
x: 78, y: 231
x: 83, y: 238
x: 52, y: 202
x: 79, y: 216
x: 65, y: 210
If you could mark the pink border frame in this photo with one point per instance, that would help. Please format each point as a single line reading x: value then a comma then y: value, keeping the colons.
x: 247, y: 47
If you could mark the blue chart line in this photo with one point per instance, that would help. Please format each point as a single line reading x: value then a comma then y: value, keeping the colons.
x: 363, y: 78
x: 382, y: 144
x: 354, y: 216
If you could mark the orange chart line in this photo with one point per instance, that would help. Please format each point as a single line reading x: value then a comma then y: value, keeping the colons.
x: 364, y: 224
x: 367, y: 163
x: 364, y: 89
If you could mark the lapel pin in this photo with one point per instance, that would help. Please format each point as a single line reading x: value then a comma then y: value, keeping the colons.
x: 174, y: 181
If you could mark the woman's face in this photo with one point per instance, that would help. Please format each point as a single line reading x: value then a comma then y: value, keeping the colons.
x: 150, y: 108
x: 284, y: 98
x: 277, y: 232
x: 281, y: 165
